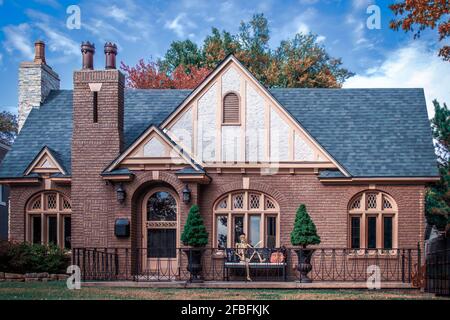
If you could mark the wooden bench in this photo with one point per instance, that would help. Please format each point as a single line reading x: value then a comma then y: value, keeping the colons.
x: 232, y: 261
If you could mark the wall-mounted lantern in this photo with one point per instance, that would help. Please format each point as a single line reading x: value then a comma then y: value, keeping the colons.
x: 120, y: 194
x: 186, y: 194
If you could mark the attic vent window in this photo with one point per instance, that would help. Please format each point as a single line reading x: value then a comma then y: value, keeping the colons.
x: 231, y: 109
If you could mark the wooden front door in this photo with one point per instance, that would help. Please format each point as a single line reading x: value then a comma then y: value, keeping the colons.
x: 160, y: 233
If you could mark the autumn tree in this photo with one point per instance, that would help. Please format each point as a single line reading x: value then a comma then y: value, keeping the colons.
x: 297, y: 62
x: 8, y: 127
x: 150, y: 75
x: 418, y: 15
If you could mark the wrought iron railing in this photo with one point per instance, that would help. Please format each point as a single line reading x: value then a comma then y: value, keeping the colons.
x: 437, y: 279
x: 328, y: 264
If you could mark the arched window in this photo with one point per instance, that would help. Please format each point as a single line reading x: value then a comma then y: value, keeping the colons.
x: 48, y: 219
x: 373, y: 221
x: 253, y: 213
x: 231, y: 109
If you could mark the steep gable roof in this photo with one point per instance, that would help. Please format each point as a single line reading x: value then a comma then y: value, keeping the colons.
x: 154, y: 133
x: 47, y: 160
x: 370, y: 132
x: 51, y: 126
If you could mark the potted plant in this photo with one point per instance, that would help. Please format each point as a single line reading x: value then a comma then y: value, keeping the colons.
x: 194, y: 235
x: 304, y: 234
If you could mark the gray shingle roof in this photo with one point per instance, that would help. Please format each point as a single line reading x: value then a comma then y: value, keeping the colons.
x: 370, y: 132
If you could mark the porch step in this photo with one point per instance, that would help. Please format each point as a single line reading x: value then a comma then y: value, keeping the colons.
x: 245, y: 285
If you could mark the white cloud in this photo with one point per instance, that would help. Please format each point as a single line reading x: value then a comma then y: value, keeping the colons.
x: 17, y: 39
x: 107, y: 32
x: 51, y: 3
x: 302, y: 28
x: 180, y: 25
x: 413, y: 66
x: 321, y: 39
x: 118, y: 14
x: 360, y: 4
x: 1, y: 59
x: 58, y: 42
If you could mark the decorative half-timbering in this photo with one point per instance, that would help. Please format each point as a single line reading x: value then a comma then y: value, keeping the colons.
x: 231, y: 119
x: 153, y: 150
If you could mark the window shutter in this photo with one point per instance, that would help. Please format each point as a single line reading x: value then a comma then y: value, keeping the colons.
x: 231, y: 108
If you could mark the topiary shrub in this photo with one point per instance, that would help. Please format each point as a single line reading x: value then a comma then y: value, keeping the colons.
x: 194, y: 232
x: 304, y: 232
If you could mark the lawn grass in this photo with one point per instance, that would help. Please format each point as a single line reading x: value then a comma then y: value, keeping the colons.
x: 59, y: 291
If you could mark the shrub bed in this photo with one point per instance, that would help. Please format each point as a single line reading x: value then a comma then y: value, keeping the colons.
x: 32, y: 258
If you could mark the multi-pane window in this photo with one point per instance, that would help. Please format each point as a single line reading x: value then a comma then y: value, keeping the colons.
x: 355, y: 232
x: 48, y: 219
x: 246, y: 212
x: 372, y: 221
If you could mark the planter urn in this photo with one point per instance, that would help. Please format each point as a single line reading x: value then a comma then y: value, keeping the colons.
x: 194, y: 266
x: 304, y: 264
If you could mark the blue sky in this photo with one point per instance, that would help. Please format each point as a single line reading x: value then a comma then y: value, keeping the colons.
x: 144, y: 29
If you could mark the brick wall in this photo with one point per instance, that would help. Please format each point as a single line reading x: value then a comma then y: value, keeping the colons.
x: 94, y: 146
x: 19, y: 196
x: 327, y: 204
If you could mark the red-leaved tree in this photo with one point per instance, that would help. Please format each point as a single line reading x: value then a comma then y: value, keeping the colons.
x: 418, y: 15
x: 147, y: 75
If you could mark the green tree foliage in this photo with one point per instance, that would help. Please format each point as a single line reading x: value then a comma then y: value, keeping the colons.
x: 301, y: 62
x: 194, y: 232
x: 437, y: 202
x: 8, y: 127
x: 304, y: 232
x: 185, y: 53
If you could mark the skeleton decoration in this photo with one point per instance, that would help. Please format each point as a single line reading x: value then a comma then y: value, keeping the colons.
x: 242, y: 247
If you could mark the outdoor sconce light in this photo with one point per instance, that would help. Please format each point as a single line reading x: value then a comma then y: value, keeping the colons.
x: 120, y: 194
x: 186, y: 194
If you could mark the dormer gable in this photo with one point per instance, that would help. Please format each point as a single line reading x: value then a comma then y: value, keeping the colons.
x: 153, y: 149
x: 45, y: 162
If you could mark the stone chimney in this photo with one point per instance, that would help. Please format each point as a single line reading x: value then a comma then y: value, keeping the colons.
x: 36, y: 80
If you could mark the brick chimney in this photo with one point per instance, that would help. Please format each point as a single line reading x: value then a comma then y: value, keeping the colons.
x: 36, y: 80
x: 97, y: 139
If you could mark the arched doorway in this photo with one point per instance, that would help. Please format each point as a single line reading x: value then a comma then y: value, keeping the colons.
x: 160, y: 230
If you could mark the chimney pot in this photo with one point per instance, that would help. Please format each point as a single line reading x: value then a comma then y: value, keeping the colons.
x: 39, y: 52
x: 88, y: 51
x: 110, y: 54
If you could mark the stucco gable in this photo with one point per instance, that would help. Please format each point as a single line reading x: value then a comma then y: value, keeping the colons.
x: 153, y: 147
x: 46, y: 161
x: 266, y: 132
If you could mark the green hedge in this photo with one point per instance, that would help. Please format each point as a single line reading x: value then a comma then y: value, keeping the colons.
x: 27, y: 257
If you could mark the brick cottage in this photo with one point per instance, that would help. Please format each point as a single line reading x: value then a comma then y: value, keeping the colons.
x: 92, y: 163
